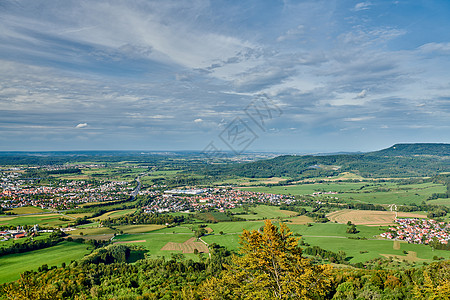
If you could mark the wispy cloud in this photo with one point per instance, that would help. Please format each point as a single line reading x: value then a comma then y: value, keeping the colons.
x: 362, y: 6
x: 172, y: 74
x: 81, y: 125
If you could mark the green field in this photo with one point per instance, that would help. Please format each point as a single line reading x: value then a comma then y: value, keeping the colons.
x: 250, y: 181
x: 139, y: 228
x: 232, y: 230
x: 12, y: 265
x: 399, y: 194
x: 91, y: 231
x: 307, y: 189
x: 28, y: 210
x: 374, y: 247
x: 154, y: 241
x: 115, y: 214
x: 230, y: 241
x: 261, y: 212
x: 368, y: 192
x: 42, y: 220
x: 333, y: 237
x: 445, y: 202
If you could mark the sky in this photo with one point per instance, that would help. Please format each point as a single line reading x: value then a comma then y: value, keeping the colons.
x: 279, y: 76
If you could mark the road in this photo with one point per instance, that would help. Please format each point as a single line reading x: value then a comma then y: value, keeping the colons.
x: 137, y: 189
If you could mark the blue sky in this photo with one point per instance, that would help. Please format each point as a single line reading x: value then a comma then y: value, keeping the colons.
x: 177, y: 75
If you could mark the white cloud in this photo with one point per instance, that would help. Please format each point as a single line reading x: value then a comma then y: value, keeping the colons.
x: 358, y: 119
x: 361, y: 94
x: 81, y: 125
x: 362, y: 6
x: 198, y: 120
x: 440, y: 48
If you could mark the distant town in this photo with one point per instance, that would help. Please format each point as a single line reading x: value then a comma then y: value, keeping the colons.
x: 419, y: 231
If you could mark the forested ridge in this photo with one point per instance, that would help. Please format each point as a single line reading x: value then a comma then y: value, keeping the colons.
x: 401, y: 160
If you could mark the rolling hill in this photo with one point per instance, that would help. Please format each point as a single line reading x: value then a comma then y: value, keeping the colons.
x: 400, y: 160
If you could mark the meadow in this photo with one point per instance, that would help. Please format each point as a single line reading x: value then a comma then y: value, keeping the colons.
x: 115, y: 214
x: 28, y: 210
x: 333, y: 237
x: 445, y: 202
x: 50, y: 219
x: 367, y: 192
x: 355, y: 249
x: 266, y: 212
x: 155, y: 241
x: 12, y: 265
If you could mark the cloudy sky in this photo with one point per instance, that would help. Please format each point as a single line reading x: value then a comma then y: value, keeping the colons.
x: 172, y: 75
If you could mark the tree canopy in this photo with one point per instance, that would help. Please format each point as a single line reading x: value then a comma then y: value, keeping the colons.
x: 271, y: 266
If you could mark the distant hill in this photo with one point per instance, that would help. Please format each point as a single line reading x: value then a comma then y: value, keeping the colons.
x: 401, y: 160
x: 415, y: 149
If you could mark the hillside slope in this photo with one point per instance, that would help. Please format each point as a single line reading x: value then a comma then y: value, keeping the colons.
x: 401, y: 160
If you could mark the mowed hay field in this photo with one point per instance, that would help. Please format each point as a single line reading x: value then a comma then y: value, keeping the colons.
x: 300, y: 220
x: 369, y: 217
x: 28, y: 210
x: 187, y: 247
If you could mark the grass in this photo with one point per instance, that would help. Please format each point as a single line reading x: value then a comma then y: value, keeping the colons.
x: 236, y: 227
x: 89, y: 225
x: 12, y: 265
x: 41, y: 220
x: 307, y: 189
x: 10, y: 242
x: 230, y: 241
x: 178, y: 229
x: 115, y: 214
x: 266, y: 212
x: 398, y: 194
x: 91, y: 231
x: 334, y: 229
x: 245, y: 181
x: 139, y: 228
x: 300, y: 220
x: 445, y: 202
x: 374, y: 247
x: 154, y: 241
x: 332, y: 237
x: 28, y: 210
x: 367, y: 192
x: 214, y: 216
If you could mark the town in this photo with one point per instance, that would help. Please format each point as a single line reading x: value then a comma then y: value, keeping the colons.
x: 58, y: 194
x: 419, y: 231
x: 214, y: 198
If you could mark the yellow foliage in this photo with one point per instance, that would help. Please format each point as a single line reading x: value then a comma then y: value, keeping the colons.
x: 271, y: 267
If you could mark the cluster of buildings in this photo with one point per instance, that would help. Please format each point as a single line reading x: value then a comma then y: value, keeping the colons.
x: 419, y: 231
x: 213, y: 198
x: 18, y: 233
x: 15, y: 192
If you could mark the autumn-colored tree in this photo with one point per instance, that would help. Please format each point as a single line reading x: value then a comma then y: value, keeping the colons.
x: 436, y: 282
x: 271, y: 267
